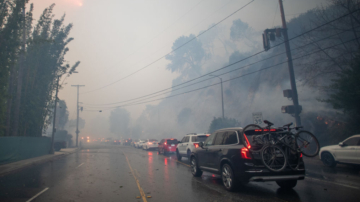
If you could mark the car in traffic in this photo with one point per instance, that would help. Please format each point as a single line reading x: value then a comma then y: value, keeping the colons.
x: 346, y: 152
x: 167, y: 145
x: 227, y: 153
x: 139, y: 144
x: 150, y: 144
x: 188, y: 144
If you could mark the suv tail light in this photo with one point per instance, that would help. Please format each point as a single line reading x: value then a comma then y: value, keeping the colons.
x: 245, y: 153
x: 247, y: 142
x: 300, y: 155
x: 165, y: 143
x: 196, y: 145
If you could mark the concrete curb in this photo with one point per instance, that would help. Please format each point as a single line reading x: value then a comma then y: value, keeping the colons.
x: 18, y: 166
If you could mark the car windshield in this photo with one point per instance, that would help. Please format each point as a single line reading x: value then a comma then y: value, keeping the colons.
x: 200, y: 138
x: 172, y: 141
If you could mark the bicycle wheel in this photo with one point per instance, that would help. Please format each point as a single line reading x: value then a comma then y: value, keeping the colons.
x: 274, y: 158
x: 293, y: 158
x: 307, y: 143
x: 250, y: 134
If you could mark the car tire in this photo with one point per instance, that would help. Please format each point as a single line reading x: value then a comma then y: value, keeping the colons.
x: 195, y: 170
x: 179, y: 157
x: 228, y: 177
x: 286, y: 184
x: 328, y: 159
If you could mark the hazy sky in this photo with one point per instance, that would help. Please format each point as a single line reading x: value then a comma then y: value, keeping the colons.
x: 114, y: 38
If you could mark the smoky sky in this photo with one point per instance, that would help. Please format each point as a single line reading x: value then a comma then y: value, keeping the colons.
x: 114, y: 38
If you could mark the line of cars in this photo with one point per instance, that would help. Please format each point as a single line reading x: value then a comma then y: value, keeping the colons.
x: 226, y: 153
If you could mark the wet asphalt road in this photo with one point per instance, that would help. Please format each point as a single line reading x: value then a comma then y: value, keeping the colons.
x: 123, y: 173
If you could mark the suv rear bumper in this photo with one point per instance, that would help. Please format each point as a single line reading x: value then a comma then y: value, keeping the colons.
x: 276, y: 178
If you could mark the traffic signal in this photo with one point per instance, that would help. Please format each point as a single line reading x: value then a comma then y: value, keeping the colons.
x: 290, y: 109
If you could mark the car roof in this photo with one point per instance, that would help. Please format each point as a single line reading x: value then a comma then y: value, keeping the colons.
x: 227, y: 129
x: 195, y: 134
x: 358, y: 135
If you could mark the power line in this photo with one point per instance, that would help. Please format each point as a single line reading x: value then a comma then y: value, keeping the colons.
x: 278, y: 64
x: 157, y: 35
x: 172, y: 50
x: 235, y: 63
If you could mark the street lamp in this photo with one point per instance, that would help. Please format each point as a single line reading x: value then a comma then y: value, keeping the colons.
x: 222, y: 95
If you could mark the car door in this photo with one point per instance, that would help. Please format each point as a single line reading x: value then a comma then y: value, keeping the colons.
x: 203, y: 152
x: 182, y: 146
x: 357, y: 157
x: 348, y: 152
x: 215, y: 151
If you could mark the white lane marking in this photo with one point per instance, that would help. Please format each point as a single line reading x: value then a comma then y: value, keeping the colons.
x: 344, y: 185
x: 38, y: 194
x: 79, y: 165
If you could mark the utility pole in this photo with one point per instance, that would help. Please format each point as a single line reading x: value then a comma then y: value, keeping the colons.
x: 77, y: 110
x: 20, y: 78
x: 291, y: 69
x: 54, y: 129
x: 222, y: 95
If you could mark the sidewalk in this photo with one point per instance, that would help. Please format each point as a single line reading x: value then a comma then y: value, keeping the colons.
x: 19, y: 165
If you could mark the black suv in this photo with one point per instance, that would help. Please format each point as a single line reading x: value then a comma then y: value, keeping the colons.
x: 224, y: 153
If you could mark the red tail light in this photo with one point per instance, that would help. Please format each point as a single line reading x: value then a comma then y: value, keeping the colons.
x: 247, y: 142
x: 245, y: 153
x: 258, y: 130
x: 196, y: 145
x: 300, y: 155
x: 165, y: 143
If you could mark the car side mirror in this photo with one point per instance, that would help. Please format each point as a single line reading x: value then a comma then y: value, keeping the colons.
x: 201, y: 144
x: 341, y: 144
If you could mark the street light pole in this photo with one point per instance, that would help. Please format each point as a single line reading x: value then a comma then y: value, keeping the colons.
x: 77, y: 111
x: 222, y: 95
x: 54, y: 119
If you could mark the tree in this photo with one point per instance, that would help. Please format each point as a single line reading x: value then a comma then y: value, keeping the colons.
x: 187, y: 59
x: 218, y: 123
x: 336, y: 43
x: 11, y: 21
x: 119, y: 122
x: 344, y: 94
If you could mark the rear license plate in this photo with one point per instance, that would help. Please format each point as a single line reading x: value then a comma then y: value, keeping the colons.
x: 172, y: 145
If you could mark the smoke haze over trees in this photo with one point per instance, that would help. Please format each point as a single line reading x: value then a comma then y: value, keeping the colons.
x: 261, y: 91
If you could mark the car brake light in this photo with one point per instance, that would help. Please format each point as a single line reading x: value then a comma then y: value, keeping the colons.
x: 245, y: 154
x: 165, y: 143
x: 149, y: 143
x: 196, y: 145
x: 258, y: 130
x: 300, y: 155
x: 207, y: 135
x: 247, y: 142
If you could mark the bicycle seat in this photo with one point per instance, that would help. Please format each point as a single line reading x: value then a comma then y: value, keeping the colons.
x: 288, y: 125
x: 268, y: 123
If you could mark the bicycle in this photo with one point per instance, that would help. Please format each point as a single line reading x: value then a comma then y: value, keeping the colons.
x: 272, y: 143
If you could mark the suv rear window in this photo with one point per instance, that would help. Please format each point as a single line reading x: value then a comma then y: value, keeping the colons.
x: 200, y: 138
x: 172, y: 141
